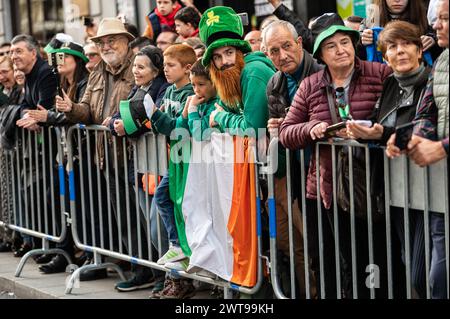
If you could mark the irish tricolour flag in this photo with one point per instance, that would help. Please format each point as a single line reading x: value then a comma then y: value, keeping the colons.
x: 213, y: 189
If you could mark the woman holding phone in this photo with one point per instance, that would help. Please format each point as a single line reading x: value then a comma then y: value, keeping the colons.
x: 402, y: 48
x: 347, y: 88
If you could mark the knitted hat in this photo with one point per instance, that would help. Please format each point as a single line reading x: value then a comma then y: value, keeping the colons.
x: 220, y: 27
x: 71, y: 48
x: 332, y: 30
x: 155, y: 55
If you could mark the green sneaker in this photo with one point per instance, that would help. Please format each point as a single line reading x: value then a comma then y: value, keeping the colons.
x: 181, y: 265
x: 173, y: 254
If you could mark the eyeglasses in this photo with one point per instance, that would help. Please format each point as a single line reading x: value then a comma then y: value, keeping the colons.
x: 92, y: 54
x: 255, y: 41
x: 110, y: 42
x: 162, y: 43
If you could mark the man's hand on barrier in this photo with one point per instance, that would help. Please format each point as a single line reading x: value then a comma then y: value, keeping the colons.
x: 392, y: 151
x: 39, y: 115
x: 355, y: 131
x: 318, y: 131
x: 63, y: 104
x: 28, y: 123
x: 367, y: 37
x: 218, y: 109
x: 424, y: 151
x: 119, y: 128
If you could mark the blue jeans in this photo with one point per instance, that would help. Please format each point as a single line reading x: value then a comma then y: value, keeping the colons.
x: 438, y: 273
x: 165, y: 208
x: 153, y: 222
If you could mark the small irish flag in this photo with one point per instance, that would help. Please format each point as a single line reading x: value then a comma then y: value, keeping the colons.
x: 213, y: 189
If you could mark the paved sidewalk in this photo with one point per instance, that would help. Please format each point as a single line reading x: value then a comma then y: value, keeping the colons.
x: 32, y: 284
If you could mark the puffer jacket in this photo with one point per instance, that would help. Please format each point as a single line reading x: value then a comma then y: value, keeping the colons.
x: 90, y: 109
x: 310, y: 107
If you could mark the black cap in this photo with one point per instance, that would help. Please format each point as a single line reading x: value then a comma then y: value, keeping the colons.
x: 155, y: 55
x: 324, y: 21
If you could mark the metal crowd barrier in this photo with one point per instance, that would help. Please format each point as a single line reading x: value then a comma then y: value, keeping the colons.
x: 407, y: 187
x: 37, y: 170
x: 124, y: 239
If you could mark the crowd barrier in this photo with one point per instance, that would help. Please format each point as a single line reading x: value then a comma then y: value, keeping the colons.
x: 344, y: 255
x: 38, y: 190
x: 104, y: 202
x: 349, y: 246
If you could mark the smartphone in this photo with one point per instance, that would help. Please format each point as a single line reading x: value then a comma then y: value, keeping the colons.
x: 333, y: 129
x: 403, y: 134
x: 55, y: 59
x: 365, y: 123
x: 244, y: 18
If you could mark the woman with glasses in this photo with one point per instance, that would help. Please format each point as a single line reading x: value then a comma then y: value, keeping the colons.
x: 11, y: 90
x: 11, y: 94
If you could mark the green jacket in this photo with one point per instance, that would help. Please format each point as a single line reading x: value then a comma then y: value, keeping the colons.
x: 173, y: 101
x: 256, y: 74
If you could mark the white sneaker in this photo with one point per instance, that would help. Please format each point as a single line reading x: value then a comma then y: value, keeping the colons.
x: 173, y: 254
x: 180, y: 265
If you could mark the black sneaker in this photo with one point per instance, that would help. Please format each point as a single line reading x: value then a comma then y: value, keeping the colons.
x: 5, y: 247
x: 93, y: 274
x: 134, y: 284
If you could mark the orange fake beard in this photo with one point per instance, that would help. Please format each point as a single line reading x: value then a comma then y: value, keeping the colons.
x: 228, y: 82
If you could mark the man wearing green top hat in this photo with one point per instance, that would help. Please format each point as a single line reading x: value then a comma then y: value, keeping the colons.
x: 239, y: 75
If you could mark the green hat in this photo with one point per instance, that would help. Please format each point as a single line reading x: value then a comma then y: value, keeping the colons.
x: 136, y: 118
x: 220, y: 27
x: 330, y: 32
x: 71, y: 48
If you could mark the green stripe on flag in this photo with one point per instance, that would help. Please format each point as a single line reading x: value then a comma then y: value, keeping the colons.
x: 178, y: 173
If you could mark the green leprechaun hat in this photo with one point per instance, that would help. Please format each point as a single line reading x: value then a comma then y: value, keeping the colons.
x: 70, y: 48
x: 219, y: 27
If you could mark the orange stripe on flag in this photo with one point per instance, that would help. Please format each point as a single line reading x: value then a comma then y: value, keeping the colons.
x: 242, y: 220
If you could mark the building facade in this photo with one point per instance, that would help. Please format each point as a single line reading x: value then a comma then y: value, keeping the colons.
x: 44, y: 18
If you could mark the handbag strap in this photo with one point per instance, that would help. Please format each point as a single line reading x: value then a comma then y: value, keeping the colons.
x: 332, y: 106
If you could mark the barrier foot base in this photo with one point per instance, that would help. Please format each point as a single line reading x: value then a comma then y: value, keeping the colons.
x: 34, y: 252
x: 74, y: 280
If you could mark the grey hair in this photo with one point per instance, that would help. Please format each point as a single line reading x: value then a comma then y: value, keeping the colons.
x: 279, y: 24
x: 31, y: 42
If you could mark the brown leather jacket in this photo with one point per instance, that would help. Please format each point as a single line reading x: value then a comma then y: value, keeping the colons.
x: 90, y: 109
